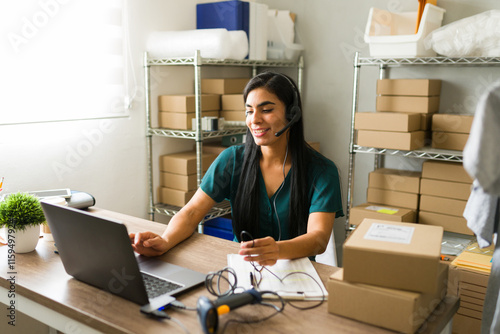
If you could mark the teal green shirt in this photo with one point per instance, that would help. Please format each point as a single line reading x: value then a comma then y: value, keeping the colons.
x: 222, y: 179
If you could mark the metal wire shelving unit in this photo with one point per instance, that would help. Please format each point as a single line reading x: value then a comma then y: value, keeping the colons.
x: 423, y: 153
x: 197, y: 62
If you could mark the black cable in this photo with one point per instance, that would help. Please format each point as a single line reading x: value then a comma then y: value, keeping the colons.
x: 258, y: 280
x: 256, y: 321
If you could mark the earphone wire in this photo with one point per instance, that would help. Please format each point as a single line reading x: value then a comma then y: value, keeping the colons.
x: 279, y: 190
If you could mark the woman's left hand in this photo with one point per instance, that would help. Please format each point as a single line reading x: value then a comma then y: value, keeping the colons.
x: 264, y: 251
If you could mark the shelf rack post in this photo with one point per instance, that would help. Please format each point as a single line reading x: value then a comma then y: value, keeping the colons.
x: 199, y: 134
x: 149, y: 136
x: 350, y: 178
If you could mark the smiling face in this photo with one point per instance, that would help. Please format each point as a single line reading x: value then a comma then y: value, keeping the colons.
x: 265, y: 115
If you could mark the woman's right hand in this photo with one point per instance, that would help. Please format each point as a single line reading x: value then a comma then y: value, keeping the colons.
x: 148, y: 243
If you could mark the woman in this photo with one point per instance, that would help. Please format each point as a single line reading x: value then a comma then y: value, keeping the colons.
x: 284, y: 195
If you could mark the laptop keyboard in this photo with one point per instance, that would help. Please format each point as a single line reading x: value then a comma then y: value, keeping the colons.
x: 156, y: 286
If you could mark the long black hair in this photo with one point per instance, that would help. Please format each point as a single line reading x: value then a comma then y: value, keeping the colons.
x: 246, y: 204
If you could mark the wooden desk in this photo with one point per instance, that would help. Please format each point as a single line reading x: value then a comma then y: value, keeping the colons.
x: 45, y: 292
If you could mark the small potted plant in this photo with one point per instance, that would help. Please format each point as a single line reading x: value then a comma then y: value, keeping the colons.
x: 21, y: 215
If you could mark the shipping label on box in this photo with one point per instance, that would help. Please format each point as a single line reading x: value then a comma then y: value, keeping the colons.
x: 449, y: 140
x: 395, y: 179
x: 367, y: 210
x: 223, y: 85
x: 447, y: 206
x: 448, y: 189
x: 413, y: 104
x: 399, y: 310
x: 394, y: 255
x: 181, y: 121
x: 233, y: 102
x: 387, y: 121
x: 452, y: 123
x: 445, y: 170
x: 409, y: 87
x: 391, y: 197
x: 184, y: 162
x: 187, y: 103
x: 391, y: 140
x: 450, y: 223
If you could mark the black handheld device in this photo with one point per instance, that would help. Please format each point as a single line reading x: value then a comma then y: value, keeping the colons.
x: 209, y: 311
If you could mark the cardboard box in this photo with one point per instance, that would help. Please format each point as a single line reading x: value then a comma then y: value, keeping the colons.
x: 391, y: 140
x: 445, y: 170
x: 387, y: 121
x: 390, y: 197
x: 233, y: 102
x: 374, y: 211
x: 471, y: 306
x: 452, y: 123
x: 409, y: 87
x: 447, y: 206
x: 181, y: 121
x: 466, y: 325
x: 460, y: 276
x: 398, y: 310
x: 425, y: 121
x: 174, y: 197
x: 233, y: 116
x: 184, y: 162
x: 449, y: 140
x: 223, y: 86
x: 395, y: 179
x: 418, y: 104
x: 449, y: 223
x: 448, y: 189
x: 178, y: 181
x: 394, y: 255
x: 187, y: 103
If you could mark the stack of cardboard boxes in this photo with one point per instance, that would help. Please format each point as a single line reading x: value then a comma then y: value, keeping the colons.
x: 470, y: 285
x: 178, y: 111
x: 391, y: 275
x: 178, y: 180
x: 392, y: 195
x: 450, y: 132
x: 231, y: 93
x: 444, y: 190
x: 403, y: 113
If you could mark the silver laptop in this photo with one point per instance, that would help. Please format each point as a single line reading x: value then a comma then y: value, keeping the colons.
x: 98, y: 251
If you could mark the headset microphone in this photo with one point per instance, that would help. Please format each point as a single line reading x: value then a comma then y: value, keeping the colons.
x: 292, y: 111
x: 294, y: 120
x: 209, y: 311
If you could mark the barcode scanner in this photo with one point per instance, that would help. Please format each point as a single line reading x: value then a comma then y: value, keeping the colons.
x: 209, y: 311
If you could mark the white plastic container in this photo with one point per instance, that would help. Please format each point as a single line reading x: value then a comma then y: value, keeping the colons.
x: 393, y: 34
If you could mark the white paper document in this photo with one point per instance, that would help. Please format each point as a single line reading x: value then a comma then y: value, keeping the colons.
x: 290, y: 281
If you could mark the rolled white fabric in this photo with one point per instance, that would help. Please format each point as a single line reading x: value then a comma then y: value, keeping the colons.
x: 212, y: 43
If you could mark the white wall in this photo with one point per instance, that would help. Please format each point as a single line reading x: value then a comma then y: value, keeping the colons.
x: 107, y: 158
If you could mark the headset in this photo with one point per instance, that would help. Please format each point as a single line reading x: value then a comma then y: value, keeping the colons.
x: 293, y: 112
